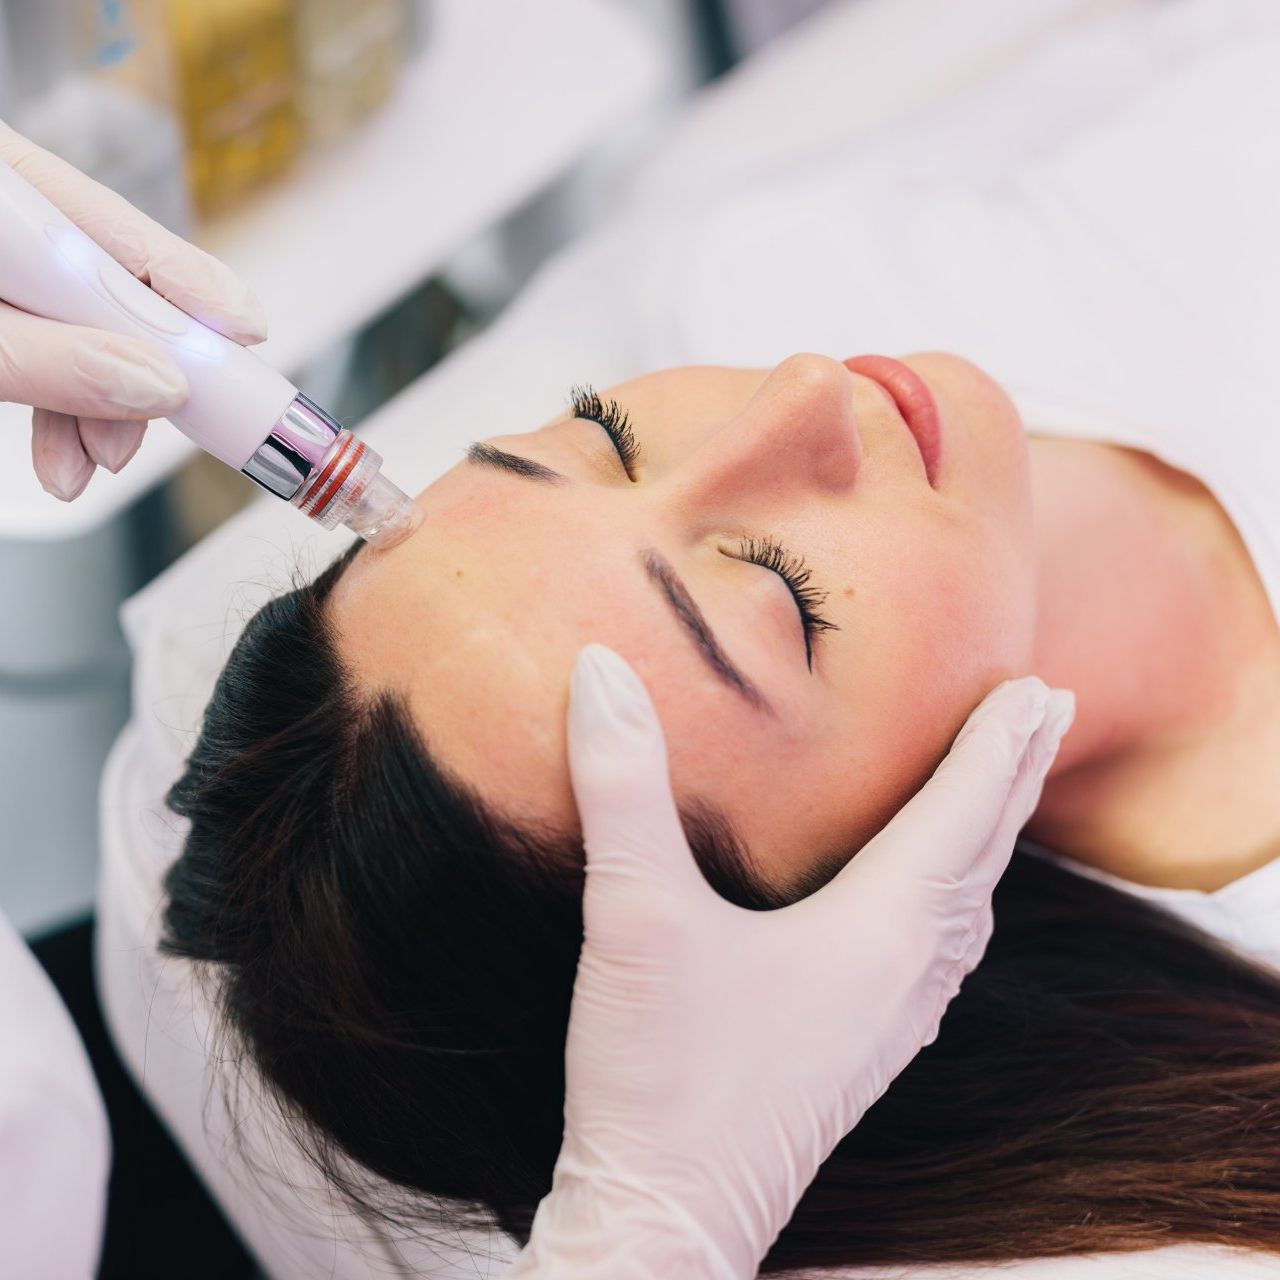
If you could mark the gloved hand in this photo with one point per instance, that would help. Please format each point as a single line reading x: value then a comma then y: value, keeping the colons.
x: 94, y: 391
x: 716, y: 1055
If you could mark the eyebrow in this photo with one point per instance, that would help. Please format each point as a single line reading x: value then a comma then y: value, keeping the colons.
x: 485, y: 455
x: 687, y: 613
x: 657, y: 569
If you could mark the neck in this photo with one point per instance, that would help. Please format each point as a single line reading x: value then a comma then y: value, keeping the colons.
x: 1150, y: 609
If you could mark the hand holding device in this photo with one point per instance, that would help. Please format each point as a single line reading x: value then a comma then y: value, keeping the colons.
x: 716, y: 1055
x: 94, y: 390
x: 90, y: 335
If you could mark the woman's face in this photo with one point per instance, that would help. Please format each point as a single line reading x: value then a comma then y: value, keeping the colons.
x: 928, y: 590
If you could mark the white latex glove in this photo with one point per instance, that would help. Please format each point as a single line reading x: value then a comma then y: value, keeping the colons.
x: 94, y: 391
x: 716, y: 1055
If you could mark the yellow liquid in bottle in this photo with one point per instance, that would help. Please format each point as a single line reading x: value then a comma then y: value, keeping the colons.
x: 236, y: 89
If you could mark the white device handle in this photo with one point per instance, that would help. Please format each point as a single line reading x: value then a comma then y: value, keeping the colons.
x: 50, y: 268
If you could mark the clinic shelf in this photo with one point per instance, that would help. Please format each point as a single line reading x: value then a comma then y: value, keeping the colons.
x: 503, y: 99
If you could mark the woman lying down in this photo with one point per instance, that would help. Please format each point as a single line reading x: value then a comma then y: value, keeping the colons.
x: 818, y: 568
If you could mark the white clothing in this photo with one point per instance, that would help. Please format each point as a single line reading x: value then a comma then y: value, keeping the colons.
x: 1040, y: 226
x: 55, y: 1147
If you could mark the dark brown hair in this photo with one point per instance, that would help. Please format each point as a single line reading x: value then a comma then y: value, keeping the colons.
x: 397, y: 961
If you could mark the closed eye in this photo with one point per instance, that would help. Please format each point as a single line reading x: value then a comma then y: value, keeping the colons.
x: 770, y: 554
x: 614, y: 419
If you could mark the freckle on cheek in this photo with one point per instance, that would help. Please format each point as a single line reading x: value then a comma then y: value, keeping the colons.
x: 847, y: 593
x: 457, y: 573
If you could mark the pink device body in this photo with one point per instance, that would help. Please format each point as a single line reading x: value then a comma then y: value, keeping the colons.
x: 240, y: 410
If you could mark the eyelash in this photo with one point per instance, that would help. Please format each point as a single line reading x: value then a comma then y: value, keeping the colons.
x: 762, y: 551
x: 613, y: 418
x: 793, y: 571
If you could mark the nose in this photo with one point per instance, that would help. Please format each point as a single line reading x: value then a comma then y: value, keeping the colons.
x: 796, y: 436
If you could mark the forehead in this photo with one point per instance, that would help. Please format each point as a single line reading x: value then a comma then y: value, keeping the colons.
x: 460, y: 621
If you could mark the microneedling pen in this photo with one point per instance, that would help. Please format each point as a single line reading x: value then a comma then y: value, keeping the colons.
x: 241, y: 410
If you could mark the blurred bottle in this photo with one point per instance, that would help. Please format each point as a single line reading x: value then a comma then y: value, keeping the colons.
x: 349, y: 56
x: 89, y: 81
x: 237, y: 76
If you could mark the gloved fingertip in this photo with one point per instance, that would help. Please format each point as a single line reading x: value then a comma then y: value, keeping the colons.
x: 129, y: 442
x: 251, y: 321
x: 57, y: 455
x: 1020, y: 704
x: 1058, y: 719
x: 66, y: 480
x: 1060, y: 713
x: 1031, y: 693
x: 111, y: 443
x: 606, y: 695
x: 245, y: 323
x: 205, y: 287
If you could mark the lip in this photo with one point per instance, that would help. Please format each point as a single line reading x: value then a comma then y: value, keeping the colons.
x: 915, y: 402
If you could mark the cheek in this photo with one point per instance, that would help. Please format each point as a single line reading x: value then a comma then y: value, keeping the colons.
x: 943, y: 613
x: 933, y: 638
x: 970, y: 624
